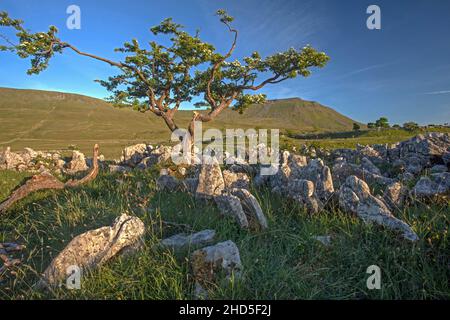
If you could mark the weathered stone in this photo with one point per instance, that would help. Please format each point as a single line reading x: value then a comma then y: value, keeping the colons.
x: 230, y: 205
x: 342, y: 170
x: 395, y: 195
x: 167, y: 182
x: 210, y: 181
x: 325, y: 240
x: 355, y: 197
x: 11, y: 160
x: 443, y: 182
x: 182, y: 240
x: 132, y: 155
x: 78, y: 163
x: 446, y: 158
x: 251, y: 207
x: 189, y: 185
x: 209, y: 262
x: 367, y: 165
x: 302, y: 191
x: 424, y: 187
x: 161, y: 153
x: 320, y: 175
x: 96, y: 247
x: 438, y: 185
x: 235, y: 180
x: 117, y: 168
x: 439, y: 168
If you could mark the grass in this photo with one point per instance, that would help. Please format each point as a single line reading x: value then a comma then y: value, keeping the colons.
x: 283, y: 262
x: 349, y: 139
x: 46, y: 120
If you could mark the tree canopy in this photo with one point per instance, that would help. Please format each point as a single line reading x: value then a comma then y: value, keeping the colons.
x: 159, y: 78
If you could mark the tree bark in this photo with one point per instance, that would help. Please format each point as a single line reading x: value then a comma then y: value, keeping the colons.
x: 46, y: 181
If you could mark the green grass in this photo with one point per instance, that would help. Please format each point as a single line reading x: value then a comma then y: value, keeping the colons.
x: 283, y: 262
x: 349, y: 139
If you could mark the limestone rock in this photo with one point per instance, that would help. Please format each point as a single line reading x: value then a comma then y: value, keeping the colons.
x: 320, y: 175
x: 251, y: 207
x: 78, y: 163
x: 210, y: 181
x: 207, y: 263
x: 132, y: 155
x: 325, y: 240
x: 303, y: 191
x: 395, y: 195
x: 355, y: 197
x: 235, y: 180
x: 230, y: 205
x: 182, y: 240
x: 439, y: 184
x: 367, y: 165
x: 439, y: 168
x: 117, y: 168
x: 10, y: 160
x: 167, y: 182
x: 96, y: 247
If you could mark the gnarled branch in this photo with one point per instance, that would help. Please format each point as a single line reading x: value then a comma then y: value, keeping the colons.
x: 46, y: 181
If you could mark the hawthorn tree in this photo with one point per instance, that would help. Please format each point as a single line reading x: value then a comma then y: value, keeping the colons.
x: 159, y: 78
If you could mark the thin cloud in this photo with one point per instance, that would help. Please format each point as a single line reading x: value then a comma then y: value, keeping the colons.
x: 365, y: 69
x: 438, y: 92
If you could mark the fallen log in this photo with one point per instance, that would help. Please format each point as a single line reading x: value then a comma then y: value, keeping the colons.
x: 46, y: 181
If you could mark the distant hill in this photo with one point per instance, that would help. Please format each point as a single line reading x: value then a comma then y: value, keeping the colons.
x: 55, y: 120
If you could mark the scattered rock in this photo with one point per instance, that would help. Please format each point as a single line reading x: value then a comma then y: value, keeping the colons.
x: 209, y: 262
x: 210, y: 182
x: 78, y: 163
x: 427, y: 187
x: 439, y: 168
x: 230, y: 205
x: 167, y: 182
x: 94, y: 248
x: 355, y: 197
x: 134, y: 154
x: 320, y: 175
x: 367, y: 165
x: 117, y: 168
x: 10, y: 160
x: 183, y: 240
x: 395, y: 195
x: 235, y: 180
x: 325, y: 240
x: 302, y: 191
x: 251, y: 207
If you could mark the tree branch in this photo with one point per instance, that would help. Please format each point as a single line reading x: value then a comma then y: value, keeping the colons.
x: 46, y: 181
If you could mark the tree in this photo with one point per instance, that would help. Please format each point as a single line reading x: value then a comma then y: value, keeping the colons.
x: 382, y: 123
x: 356, y: 127
x: 159, y: 78
x: 410, y: 126
x: 371, y: 125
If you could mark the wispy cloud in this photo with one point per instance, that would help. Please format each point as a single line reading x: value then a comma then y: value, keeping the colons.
x: 365, y: 69
x: 438, y: 92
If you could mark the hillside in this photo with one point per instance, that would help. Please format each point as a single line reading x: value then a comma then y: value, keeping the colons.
x: 54, y: 120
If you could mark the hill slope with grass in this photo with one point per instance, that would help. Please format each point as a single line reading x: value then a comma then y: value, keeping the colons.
x: 54, y: 120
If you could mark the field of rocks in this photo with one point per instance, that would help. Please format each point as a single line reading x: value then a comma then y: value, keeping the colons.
x: 140, y: 227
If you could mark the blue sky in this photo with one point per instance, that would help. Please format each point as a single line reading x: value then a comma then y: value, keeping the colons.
x: 401, y: 71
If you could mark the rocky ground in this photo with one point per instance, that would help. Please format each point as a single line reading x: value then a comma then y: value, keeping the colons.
x: 373, y: 183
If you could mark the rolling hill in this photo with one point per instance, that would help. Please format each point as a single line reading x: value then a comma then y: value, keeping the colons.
x: 52, y: 120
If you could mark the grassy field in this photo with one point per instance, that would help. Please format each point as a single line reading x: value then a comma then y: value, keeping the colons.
x: 349, y: 139
x: 46, y: 120
x: 283, y: 262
